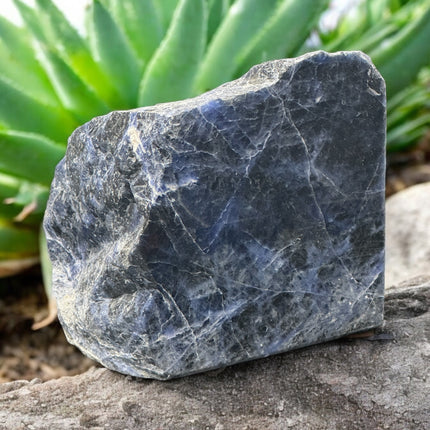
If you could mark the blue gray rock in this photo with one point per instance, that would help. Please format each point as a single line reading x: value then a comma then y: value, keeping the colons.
x: 242, y: 223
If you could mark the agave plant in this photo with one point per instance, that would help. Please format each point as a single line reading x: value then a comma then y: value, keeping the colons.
x: 135, y: 53
x: 141, y: 52
x: 408, y: 113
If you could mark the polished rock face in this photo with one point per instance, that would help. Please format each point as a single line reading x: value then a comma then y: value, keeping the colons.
x: 244, y: 222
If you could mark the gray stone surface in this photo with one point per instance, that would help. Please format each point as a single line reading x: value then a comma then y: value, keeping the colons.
x: 408, y: 234
x: 239, y: 224
x: 362, y: 384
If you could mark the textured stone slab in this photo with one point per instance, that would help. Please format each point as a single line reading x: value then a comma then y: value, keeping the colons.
x: 408, y: 234
x: 380, y: 382
x: 242, y: 223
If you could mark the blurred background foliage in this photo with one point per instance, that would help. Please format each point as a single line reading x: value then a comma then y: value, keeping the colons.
x: 142, y: 52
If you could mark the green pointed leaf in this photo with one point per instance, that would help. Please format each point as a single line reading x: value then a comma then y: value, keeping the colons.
x: 21, y: 112
x: 283, y: 33
x: 395, y: 5
x: 45, y: 263
x: 416, y: 102
x: 35, y: 82
x: 144, y: 39
x: 11, y: 211
x: 400, y: 58
x: 9, y: 187
x: 29, y: 156
x: 111, y: 49
x: 170, y: 74
x: 35, y: 23
x: 19, y: 64
x: 22, y: 199
x: 57, y: 31
x: 60, y: 36
x: 33, y: 194
x: 408, y: 131
x: 74, y: 94
x: 17, y: 241
x: 165, y: 9
x: 405, y: 141
x: 397, y: 101
x: 217, y: 10
x: 375, y: 11
x: 369, y: 41
x: 365, y: 36
x: 16, y: 39
x: 243, y: 20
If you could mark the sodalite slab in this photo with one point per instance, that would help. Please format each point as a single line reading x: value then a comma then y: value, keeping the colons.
x: 244, y: 222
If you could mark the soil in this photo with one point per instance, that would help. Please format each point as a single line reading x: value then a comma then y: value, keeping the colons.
x: 408, y: 168
x: 45, y: 354
x: 26, y: 353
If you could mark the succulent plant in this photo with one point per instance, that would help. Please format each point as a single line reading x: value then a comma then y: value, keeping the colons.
x: 135, y: 53
x: 142, y: 52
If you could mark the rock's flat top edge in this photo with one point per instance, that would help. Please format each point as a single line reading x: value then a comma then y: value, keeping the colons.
x: 258, y: 76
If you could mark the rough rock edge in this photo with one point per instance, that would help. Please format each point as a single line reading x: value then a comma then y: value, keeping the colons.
x: 352, y: 384
x: 173, y: 235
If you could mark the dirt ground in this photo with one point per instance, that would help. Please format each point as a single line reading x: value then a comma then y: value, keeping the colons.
x: 408, y: 168
x: 45, y: 353
x: 26, y: 353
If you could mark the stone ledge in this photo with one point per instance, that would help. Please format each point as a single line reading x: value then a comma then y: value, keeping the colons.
x: 353, y: 384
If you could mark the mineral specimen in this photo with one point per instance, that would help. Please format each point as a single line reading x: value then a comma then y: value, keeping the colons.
x: 245, y: 222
